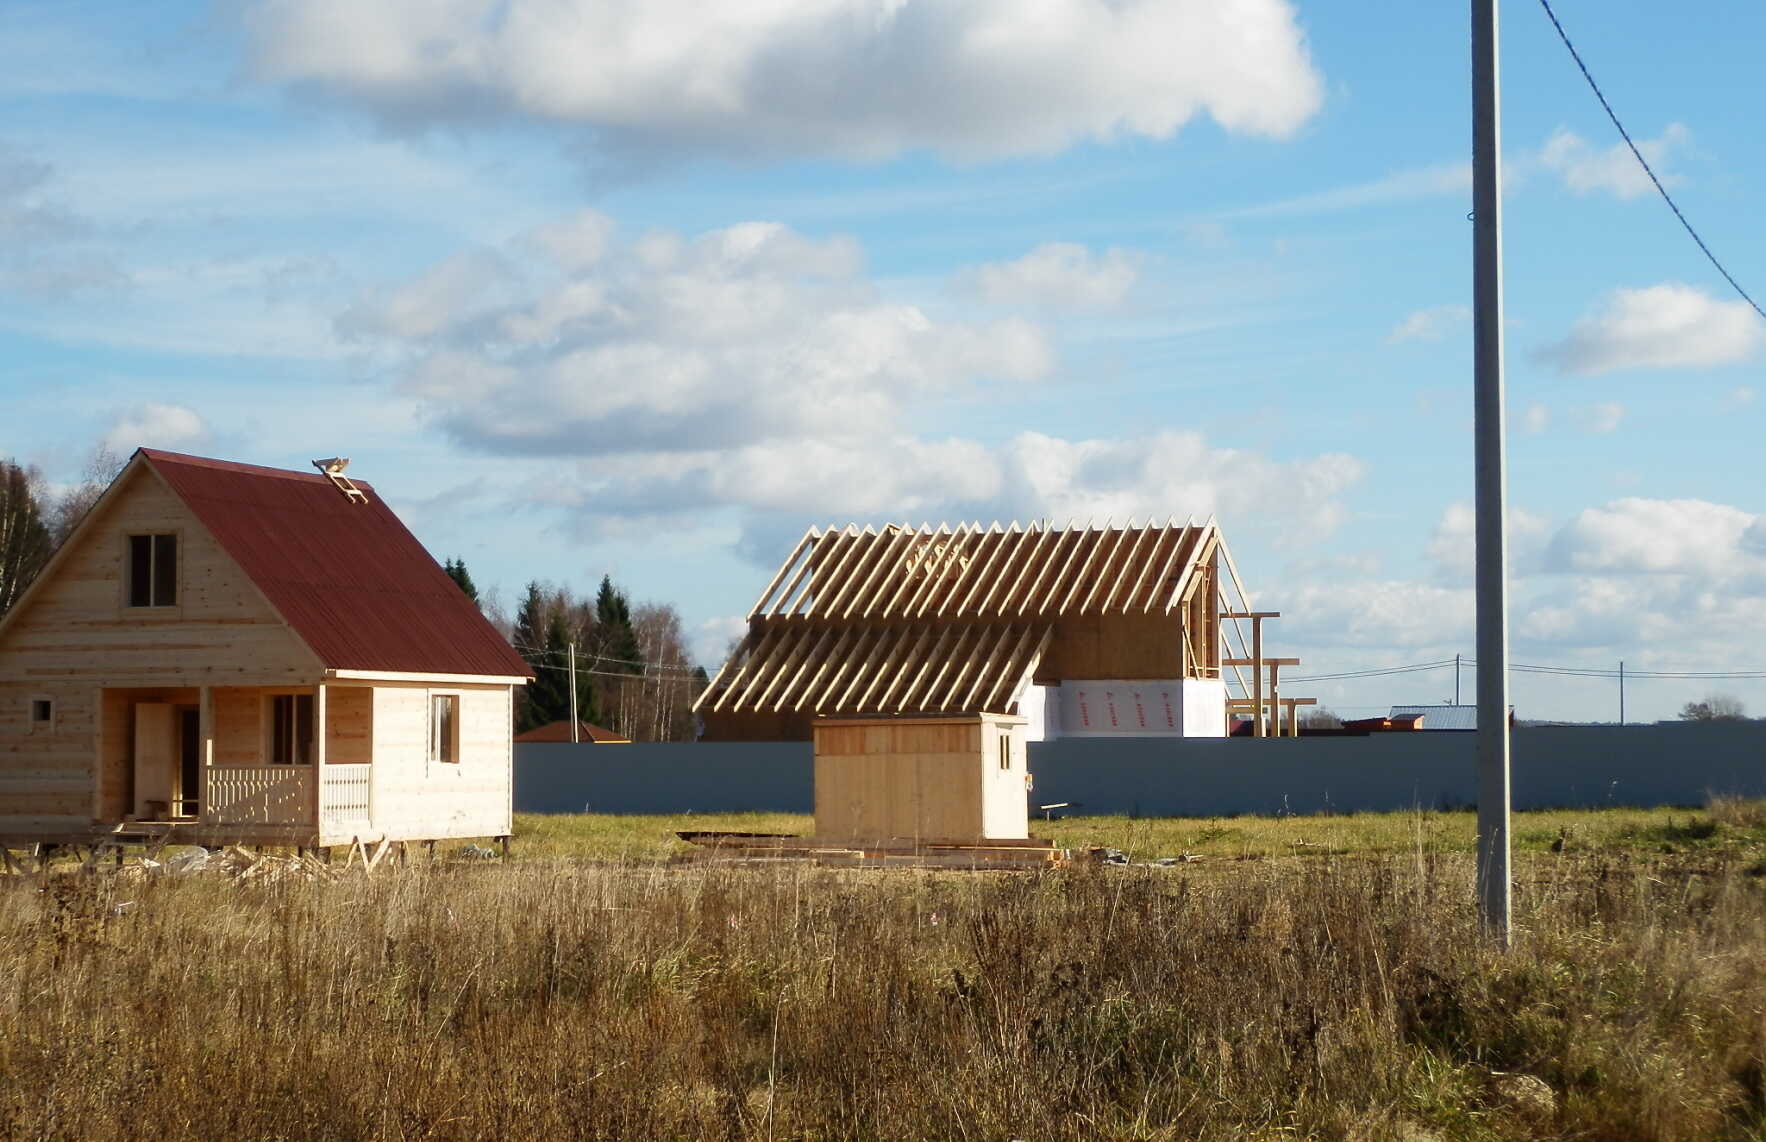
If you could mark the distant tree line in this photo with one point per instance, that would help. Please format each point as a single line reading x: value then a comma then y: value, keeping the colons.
x: 633, y: 675
x: 1715, y: 708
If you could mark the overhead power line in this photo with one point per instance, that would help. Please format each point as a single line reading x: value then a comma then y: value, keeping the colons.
x: 1628, y: 673
x: 1647, y: 169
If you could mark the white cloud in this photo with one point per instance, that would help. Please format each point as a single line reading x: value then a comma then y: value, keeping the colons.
x: 901, y: 477
x: 1614, y: 170
x: 739, y: 336
x: 1452, y: 545
x: 711, y: 639
x: 1646, y: 536
x: 1429, y: 324
x: 155, y: 426
x: 1739, y: 397
x: 1536, y: 419
x: 1057, y: 276
x: 1399, y: 186
x: 1600, y: 418
x: 853, y: 78
x: 45, y: 249
x: 1662, y: 327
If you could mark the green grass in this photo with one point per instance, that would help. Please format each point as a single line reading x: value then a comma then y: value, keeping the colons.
x: 1736, y: 828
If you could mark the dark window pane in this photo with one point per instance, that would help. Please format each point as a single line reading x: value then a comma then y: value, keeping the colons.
x: 279, y: 717
x: 40, y: 710
x: 303, y: 729
x: 140, y: 570
x: 165, y: 570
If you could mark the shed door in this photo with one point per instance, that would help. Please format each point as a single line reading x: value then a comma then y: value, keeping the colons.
x: 156, y: 746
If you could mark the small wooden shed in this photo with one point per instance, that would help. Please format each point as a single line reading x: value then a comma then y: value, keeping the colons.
x: 949, y: 779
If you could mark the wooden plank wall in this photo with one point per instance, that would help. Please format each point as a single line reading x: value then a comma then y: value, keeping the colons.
x: 924, y: 780
x: 349, y: 732
x: 76, y: 626
x: 46, y: 774
x: 74, y: 636
x: 416, y: 799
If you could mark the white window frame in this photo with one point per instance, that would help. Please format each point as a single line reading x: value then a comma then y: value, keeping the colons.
x: 32, y: 725
x: 430, y: 751
x: 267, y: 715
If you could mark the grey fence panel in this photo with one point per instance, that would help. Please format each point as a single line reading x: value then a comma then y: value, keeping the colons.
x: 1579, y: 766
x: 1205, y: 777
x: 1567, y: 766
x: 665, y: 777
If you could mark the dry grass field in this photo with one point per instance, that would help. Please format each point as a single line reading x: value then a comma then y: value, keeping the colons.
x: 1335, y: 989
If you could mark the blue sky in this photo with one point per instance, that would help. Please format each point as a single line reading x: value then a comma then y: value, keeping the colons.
x: 649, y: 288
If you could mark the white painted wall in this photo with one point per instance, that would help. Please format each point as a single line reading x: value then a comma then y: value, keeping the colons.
x: 1187, y: 707
x: 1005, y: 809
x: 1204, y: 708
x: 1041, y: 716
x: 414, y: 797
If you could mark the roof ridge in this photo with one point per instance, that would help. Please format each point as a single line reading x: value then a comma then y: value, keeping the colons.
x: 161, y: 456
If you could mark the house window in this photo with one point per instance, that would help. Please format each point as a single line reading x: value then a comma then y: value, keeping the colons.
x: 444, y: 727
x: 1005, y: 751
x: 42, y: 715
x: 291, y: 729
x: 153, y: 570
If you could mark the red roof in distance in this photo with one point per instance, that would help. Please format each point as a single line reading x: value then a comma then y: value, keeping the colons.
x: 349, y: 578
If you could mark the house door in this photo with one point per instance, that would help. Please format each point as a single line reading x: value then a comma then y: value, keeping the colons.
x: 156, y: 742
x: 189, y: 799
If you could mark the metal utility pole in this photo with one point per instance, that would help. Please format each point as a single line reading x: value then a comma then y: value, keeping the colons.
x: 575, y: 725
x: 1494, y: 876
x: 1621, y: 691
x: 1456, y: 680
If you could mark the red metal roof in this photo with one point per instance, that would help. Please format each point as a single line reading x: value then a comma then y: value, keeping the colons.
x: 350, y: 578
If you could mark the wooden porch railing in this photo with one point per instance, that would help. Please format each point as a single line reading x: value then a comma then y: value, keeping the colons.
x: 346, y: 797
x: 258, y: 794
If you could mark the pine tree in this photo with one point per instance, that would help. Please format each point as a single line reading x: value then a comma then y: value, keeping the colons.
x: 534, y: 704
x: 619, y: 650
x: 456, y: 569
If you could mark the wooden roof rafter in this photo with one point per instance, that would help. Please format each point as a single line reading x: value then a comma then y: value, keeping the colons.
x: 870, y: 553
x: 765, y: 596
x: 882, y: 573
x: 986, y: 554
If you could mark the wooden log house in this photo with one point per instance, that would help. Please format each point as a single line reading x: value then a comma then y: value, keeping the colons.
x: 222, y: 653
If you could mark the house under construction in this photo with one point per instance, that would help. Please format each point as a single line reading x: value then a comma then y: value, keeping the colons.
x: 1113, y: 630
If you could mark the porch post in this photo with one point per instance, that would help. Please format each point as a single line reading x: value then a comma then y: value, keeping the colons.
x: 321, y: 720
x: 205, y: 719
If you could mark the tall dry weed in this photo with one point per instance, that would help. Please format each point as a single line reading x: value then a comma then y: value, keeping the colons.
x: 1329, y: 998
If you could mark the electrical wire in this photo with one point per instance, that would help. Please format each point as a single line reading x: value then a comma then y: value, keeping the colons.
x: 1647, y: 169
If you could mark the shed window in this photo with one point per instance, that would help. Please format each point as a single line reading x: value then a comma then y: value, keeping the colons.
x: 444, y: 727
x: 291, y: 729
x: 42, y: 714
x: 153, y: 570
x: 1005, y: 751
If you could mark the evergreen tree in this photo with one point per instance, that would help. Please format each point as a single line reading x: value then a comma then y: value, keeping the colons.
x: 619, y: 650
x: 456, y: 569
x: 528, y: 636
